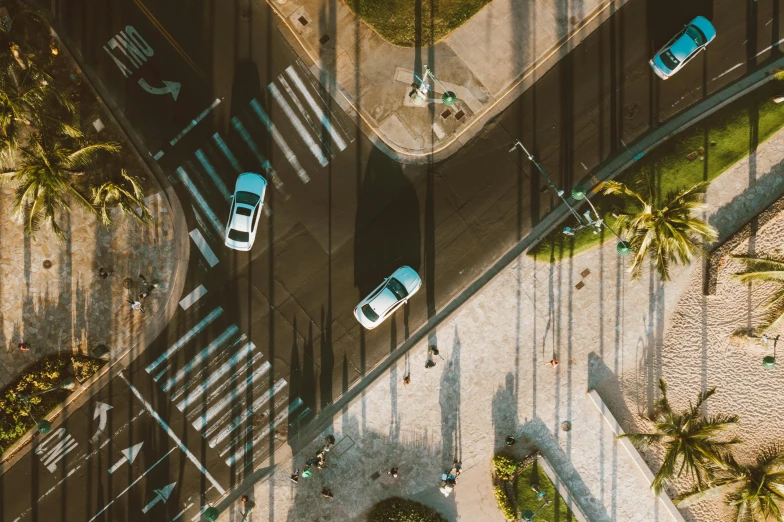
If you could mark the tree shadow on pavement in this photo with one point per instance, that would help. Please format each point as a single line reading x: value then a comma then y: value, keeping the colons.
x: 504, y: 410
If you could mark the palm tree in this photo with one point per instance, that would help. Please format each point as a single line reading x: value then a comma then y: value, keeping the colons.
x: 46, y: 177
x: 765, y: 269
x: 666, y: 232
x: 126, y: 194
x: 757, y: 490
x: 688, y: 439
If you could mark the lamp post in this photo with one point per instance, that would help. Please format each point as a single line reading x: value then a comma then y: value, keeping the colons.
x: 44, y: 426
x: 449, y: 97
x: 769, y: 361
x: 211, y: 514
x: 529, y: 515
x: 623, y: 247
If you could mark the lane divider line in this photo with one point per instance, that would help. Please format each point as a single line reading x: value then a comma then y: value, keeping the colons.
x: 203, y: 114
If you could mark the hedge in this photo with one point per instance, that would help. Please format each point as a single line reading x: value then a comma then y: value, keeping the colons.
x: 396, y: 509
x: 15, y: 418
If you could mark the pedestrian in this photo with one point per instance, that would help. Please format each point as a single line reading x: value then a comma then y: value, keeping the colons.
x: 136, y: 305
x: 554, y: 362
x: 142, y: 296
x: 144, y: 279
x: 295, y: 476
x: 24, y: 346
x: 392, y: 472
x: 104, y: 273
x: 326, y: 493
x: 306, y: 472
x: 407, y: 380
x: 247, y: 505
x: 430, y: 363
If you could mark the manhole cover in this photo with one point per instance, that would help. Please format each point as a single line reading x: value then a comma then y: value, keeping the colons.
x: 128, y: 283
x: 47, y: 264
x: 566, y: 425
x: 630, y: 111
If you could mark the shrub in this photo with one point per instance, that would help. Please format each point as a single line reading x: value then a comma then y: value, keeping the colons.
x: 503, y: 503
x: 85, y: 367
x: 396, y: 509
x: 505, y: 467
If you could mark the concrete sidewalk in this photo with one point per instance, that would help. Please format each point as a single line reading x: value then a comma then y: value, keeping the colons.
x: 487, y: 62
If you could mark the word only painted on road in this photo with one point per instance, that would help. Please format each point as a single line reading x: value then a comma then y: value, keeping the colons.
x: 54, y: 448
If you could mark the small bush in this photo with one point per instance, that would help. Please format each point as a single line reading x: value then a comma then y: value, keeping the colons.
x: 85, y: 367
x: 505, y: 467
x: 503, y: 503
x: 396, y: 509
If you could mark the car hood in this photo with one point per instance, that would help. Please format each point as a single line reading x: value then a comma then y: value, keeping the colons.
x: 250, y: 182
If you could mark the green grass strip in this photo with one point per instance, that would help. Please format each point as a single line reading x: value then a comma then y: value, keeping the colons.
x: 556, y: 511
x: 725, y: 137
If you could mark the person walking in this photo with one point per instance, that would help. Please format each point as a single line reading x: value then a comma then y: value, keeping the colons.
x: 295, y: 476
x: 392, y: 472
x: 24, y: 346
x: 136, y: 305
x: 104, y: 273
x: 326, y: 493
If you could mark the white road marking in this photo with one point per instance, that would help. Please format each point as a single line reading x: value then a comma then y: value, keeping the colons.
x: 300, y: 128
x: 129, y: 455
x: 215, y: 376
x: 726, y: 72
x: 263, y: 433
x: 279, y: 140
x: 183, y: 511
x: 239, y: 127
x: 195, y: 121
x: 185, y: 338
x: 247, y: 412
x: 201, y: 356
x: 173, y: 436
x: 158, y: 155
x: 226, y: 152
x: 101, y: 413
x: 213, y: 174
x: 187, y: 301
x: 52, y: 455
x: 768, y: 48
x: 316, y: 109
x: 214, y: 221
x: 241, y: 437
x: 196, y: 378
x: 160, y: 495
x: 123, y: 492
x: 213, y: 410
x: 204, y: 248
x: 304, y: 113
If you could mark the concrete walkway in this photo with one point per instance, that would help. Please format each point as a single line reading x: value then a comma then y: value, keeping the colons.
x: 373, y: 77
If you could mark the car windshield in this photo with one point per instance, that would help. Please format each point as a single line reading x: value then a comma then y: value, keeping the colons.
x: 398, y: 289
x: 238, y: 235
x: 369, y: 313
x: 248, y: 198
x: 695, y: 34
x: 245, y: 211
x: 669, y: 60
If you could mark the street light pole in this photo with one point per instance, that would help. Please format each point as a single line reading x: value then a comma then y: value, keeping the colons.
x: 579, y: 194
x: 44, y: 426
x: 448, y: 97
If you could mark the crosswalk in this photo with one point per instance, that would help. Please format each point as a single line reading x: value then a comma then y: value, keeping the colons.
x: 224, y: 387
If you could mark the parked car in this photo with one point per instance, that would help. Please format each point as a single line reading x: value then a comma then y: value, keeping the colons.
x: 390, y: 295
x: 684, y: 46
x: 246, y: 203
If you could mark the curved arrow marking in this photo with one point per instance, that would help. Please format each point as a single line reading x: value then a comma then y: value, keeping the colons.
x: 172, y: 88
x: 101, y: 409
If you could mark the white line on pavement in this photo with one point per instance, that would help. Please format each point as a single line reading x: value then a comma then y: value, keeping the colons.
x: 247, y: 412
x: 218, y: 374
x: 187, y: 301
x: 316, y: 109
x: 212, y: 173
x: 185, y: 338
x: 280, y: 141
x: 304, y: 113
x: 300, y: 128
x: 214, y: 221
x: 239, y: 127
x: 195, y: 121
x: 173, y: 436
x: 201, y: 356
x: 204, y: 248
x: 226, y: 152
x: 239, y: 453
x: 182, y: 512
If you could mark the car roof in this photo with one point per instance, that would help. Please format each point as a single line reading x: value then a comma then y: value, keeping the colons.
x: 683, y: 47
x: 383, y: 301
x: 240, y: 222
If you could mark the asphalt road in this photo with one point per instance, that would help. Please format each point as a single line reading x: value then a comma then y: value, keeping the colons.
x: 264, y: 340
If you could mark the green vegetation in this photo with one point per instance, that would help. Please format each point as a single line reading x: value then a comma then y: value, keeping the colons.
x: 396, y: 20
x: 43, y: 148
x: 505, y: 467
x: 760, y: 270
x: 715, y: 144
x: 396, y: 509
x: 534, y: 476
x: 504, y: 504
x: 15, y: 418
x: 689, y: 440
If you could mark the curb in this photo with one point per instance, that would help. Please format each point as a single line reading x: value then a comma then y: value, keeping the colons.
x: 182, y: 248
x: 560, y: 485
x: 467, y: 132
x: 633, y: 453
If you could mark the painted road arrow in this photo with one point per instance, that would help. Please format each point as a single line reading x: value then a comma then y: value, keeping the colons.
x: 172, y: 88
x: 101, y: 409
x: 160, y: 494
x: 129, y: 454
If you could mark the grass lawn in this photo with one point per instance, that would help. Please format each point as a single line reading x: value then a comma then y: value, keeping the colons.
x: 723, y: 139
x: 396, y: 20
x: 557, y: 511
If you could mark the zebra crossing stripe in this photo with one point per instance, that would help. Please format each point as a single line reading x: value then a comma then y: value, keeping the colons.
x: 226, y: 152
x: 247, y: 412
x: 187, y: 301
x: 204, y: 248
x: 213, y: 219
x: 195, y: 122
x: 212, y: 174
x: 185, y: 338
x: 239, y: 127
x: 195, y: 379
x: 242, y: 436
x: 279, y: 140
x: 201, y: 356
x: 263, y: 433
x: 229, y: 398
x: 304, y: 113
x: 316, y: 109
x: 300, y: 128
x: 201, y: 389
